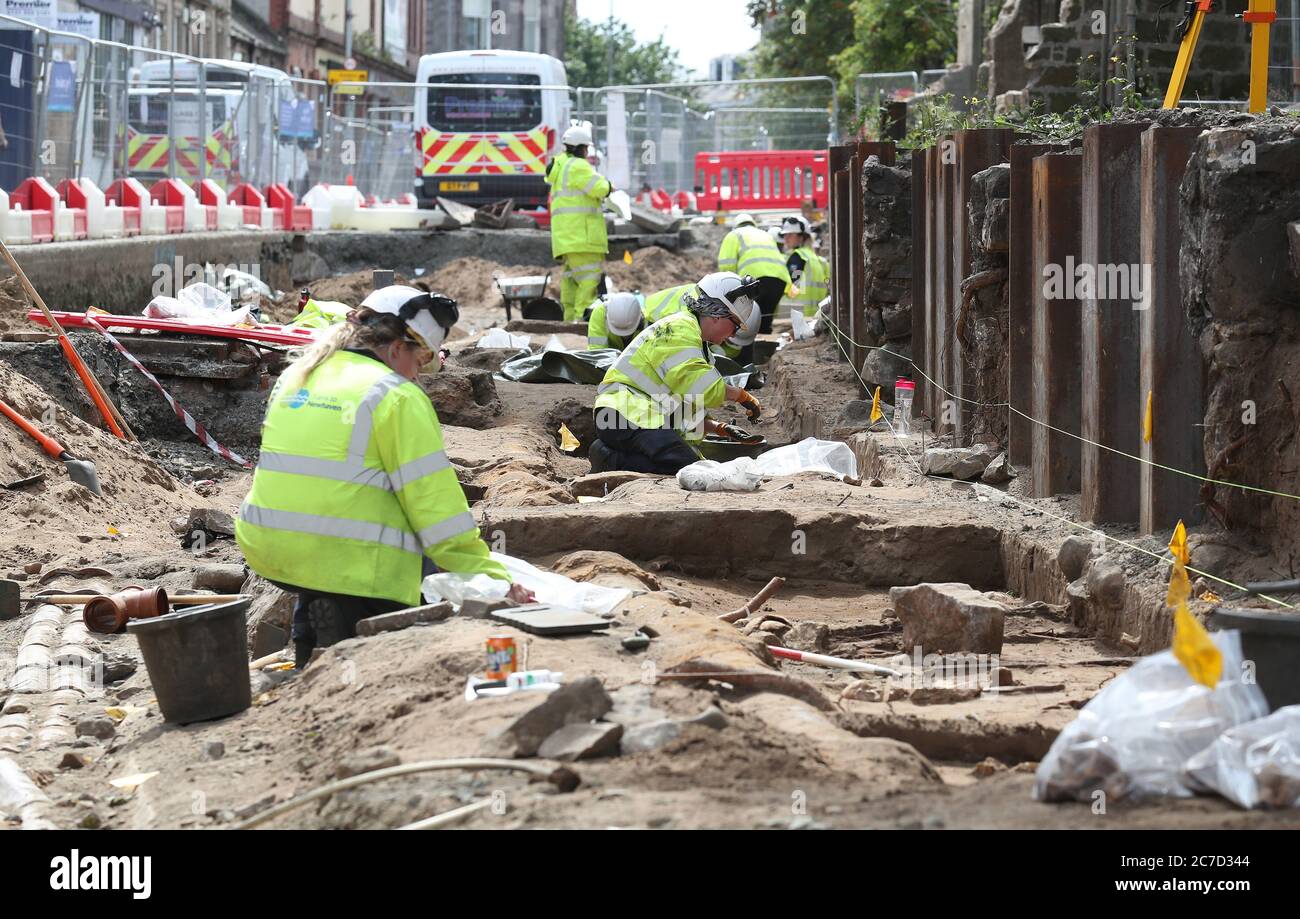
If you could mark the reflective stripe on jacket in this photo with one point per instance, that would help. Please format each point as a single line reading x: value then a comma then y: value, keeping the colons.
x: 813, y: 284
x: 666, y: 302
x: 353, y: 487
x: 750, y: 251
x: 577, y: 224
x: 665, y: 379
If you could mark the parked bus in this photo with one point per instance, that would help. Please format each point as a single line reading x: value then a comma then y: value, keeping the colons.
x: 479, y: 145
x: 244, y: 105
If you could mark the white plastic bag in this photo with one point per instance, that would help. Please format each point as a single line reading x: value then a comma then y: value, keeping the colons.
x: 1135, y: 736
x: 800, y: 326
x: 809, y: 455
x: 500, y: 338
x: 739, y: 474
x: 1256, y: 764
x: 548, y: 587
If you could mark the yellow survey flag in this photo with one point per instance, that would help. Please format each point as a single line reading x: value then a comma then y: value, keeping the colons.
x: 876, y: 413
x: 568, y: 443
x: 627, y: 256
x: 1148, y: 420
x: 1192, y: 645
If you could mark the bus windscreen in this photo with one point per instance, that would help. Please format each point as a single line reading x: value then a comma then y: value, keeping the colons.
x: 486, y: 111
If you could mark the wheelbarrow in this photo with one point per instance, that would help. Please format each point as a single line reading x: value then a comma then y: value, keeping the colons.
x: 529, y: 294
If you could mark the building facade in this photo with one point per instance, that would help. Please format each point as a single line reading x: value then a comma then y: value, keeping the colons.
x: 516, y: 25
x: 387, y: 36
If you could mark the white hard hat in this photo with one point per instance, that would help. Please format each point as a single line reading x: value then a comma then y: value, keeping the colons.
x: 741, y: 219
x: 776, y: 234
x: 623, y: 313
x: 746, y: 334
x: 796, y: 224
x: 428, y: 317
x: 577, y: 135
x: 725, y: 288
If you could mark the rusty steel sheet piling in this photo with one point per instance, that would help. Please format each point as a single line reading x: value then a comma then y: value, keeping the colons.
x: 1021, y: 284
x: 1111, y: 250
x: 1170, y: 363
x: 1057, y: 231
x: 920, y: 280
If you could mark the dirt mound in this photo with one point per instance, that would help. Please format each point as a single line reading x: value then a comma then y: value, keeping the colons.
x: 469, y: 281
x: 13, y: 305
x: 346, y: 288
x: 654, y: 269
x: 55, y: 516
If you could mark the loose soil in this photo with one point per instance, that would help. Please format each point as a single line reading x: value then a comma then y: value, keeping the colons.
x: 887, y: 763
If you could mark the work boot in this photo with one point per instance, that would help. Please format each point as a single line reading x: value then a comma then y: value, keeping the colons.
x: 329, y: 622
x: 302, y: 650
x: 599, y: 455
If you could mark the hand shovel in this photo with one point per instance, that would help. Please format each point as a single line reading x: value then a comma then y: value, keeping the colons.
x: 80, y: 471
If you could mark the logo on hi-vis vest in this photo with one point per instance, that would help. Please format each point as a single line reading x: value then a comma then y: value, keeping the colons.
x: 298, y: 399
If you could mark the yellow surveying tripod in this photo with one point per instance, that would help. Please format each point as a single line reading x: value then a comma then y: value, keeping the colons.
x: 1260, y: 14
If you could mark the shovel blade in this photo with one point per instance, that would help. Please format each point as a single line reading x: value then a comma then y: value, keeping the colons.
x: 82, y: 472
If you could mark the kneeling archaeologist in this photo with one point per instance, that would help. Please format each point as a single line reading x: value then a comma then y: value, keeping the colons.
x: 650, y: 406
x: 353, y: 492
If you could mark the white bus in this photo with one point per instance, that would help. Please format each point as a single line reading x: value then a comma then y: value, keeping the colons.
x: 490, y: 134
x: 243, y: 109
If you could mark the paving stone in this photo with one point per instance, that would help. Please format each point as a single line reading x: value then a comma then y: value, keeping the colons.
x: 582, y: 741
x: 579, y: 702
x: 949, y: 618
x: 404, y: 619
x: 646, y: 737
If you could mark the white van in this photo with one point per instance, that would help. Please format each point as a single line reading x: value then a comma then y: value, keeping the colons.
x: 244, y: 104
x: 479, y: 145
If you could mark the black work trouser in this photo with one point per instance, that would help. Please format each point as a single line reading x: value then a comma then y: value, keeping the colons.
x: 768, y: 298
x: 633, y: 449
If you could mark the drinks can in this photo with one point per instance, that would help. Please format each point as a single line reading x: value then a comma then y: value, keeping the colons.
x: 502, y: 657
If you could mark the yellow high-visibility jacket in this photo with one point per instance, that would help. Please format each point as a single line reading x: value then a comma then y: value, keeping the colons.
x: 748, y: 250
x: 353, y: 487
x: 672, y: 300
x: 577, y: 224
x: 665, y: 379
x: 665, y: 302
x: 813, y: 283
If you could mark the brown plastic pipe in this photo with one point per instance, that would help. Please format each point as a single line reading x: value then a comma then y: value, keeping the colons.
x: 107, y: 615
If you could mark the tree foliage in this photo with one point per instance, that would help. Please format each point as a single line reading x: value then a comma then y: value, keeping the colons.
x: 843, y: 38
x: 587, y: 55
x: 893, y: 35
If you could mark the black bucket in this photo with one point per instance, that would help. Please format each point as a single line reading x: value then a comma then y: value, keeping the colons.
x: 722, y: 451
x: 1272, y: 642
x: 544, y: 308
x: 197, y: 661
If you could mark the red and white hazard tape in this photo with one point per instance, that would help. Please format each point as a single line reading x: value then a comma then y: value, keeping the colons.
x: 186, y: 418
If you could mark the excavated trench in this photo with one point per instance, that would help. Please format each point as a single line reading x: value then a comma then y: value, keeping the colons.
x: 840, y: 548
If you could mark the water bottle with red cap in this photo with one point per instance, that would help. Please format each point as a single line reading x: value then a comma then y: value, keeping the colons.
x: 904, y: 390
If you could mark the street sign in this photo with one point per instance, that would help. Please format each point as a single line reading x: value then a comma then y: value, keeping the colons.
x: 336, y: 77
x: 350, y: 64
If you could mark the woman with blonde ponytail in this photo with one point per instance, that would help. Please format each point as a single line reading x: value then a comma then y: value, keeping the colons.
x: 353, y: 492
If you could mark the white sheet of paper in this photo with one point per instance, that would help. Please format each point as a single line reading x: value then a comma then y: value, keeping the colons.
x: 16, y: 71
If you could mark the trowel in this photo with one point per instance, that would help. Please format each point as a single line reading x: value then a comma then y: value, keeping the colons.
x: 80, y: 471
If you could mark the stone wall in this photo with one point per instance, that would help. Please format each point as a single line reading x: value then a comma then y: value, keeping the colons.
x: 1072, y: 51
x: 985, y: 331
x: 887, y: 248
x: 1242, y: 296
